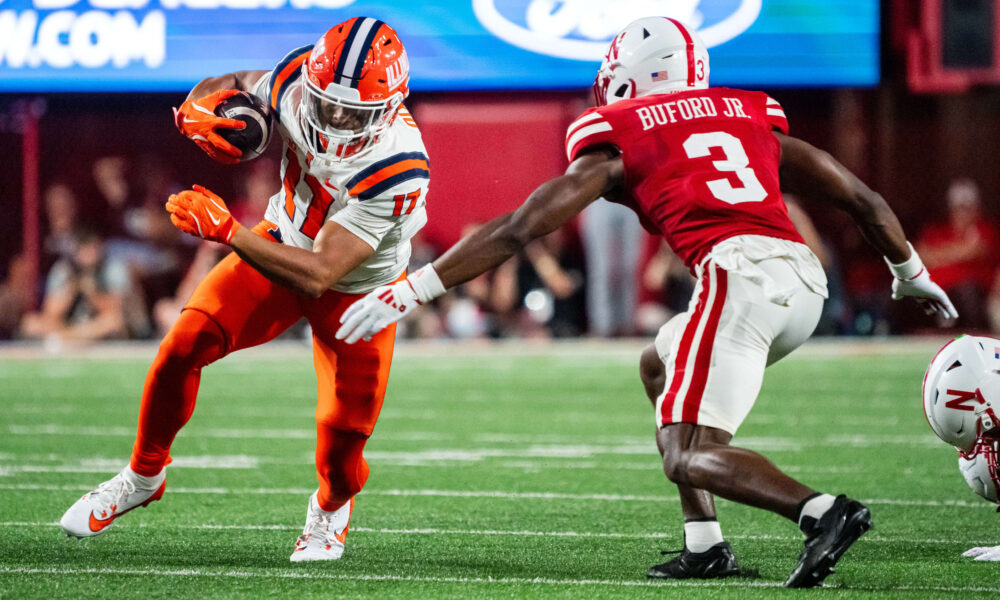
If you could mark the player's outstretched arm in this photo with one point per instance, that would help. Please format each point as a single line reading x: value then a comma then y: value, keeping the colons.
x: 196, y: 117
x: 336, y: 251
x: 814, y: 174
x: 551, y: 205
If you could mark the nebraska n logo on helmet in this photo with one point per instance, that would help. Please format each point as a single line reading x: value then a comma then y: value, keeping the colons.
x: 356, y: 79
x: 961, y: 391
x: 653, y: 55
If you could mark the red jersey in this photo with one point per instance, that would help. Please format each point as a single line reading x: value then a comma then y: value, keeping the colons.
x: 701, y: 165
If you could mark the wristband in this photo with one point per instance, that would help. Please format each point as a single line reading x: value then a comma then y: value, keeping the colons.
x: 909, y: 269
x: 426, y: 284
x: 232, y: 231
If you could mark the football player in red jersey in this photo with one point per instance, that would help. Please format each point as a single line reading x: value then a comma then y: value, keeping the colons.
x: 354, y: 187
x: 705, y: 168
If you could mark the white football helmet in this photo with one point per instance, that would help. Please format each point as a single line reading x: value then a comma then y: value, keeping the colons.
x: 653, y: 55
x: 962, y: 390
x: 981, y: 468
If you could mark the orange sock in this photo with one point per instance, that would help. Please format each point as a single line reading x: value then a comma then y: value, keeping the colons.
x: 168, y: 397
x: 340, y: 467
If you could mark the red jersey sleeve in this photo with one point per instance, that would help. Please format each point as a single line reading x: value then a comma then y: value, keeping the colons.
x: 588, y: 130
x: 776, y: 115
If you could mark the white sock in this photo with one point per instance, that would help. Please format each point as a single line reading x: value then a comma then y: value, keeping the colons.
x: 145, y: 483
x: 815, y: 507
x: 699, y: 536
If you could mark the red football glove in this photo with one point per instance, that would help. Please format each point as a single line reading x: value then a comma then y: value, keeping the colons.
x: 197, y: 120
x: 201, y: 212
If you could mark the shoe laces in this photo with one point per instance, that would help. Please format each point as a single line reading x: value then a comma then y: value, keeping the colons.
x: 113, y: 490
x: 318, y: 525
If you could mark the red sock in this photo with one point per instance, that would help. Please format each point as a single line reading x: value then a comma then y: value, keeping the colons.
x: 341, y: 469
x: 171, y: 388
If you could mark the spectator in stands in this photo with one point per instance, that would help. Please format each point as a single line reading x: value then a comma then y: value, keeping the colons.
x: 836, y: 317
x: 665, y: 287
x: 138, y: 229
x: 255, y: 184
x: 167, y: 309
x: 541, y: 292
x: 612, y: 237
x: 15, y: 295
x: 61, y: 220
x: 470, y: 313
x: 88, y: 296
x: 961, y: 253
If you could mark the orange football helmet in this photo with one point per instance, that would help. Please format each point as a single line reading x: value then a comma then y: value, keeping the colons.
x: 356, y: 78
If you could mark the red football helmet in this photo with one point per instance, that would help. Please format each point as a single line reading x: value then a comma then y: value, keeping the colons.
x: 356, y: 79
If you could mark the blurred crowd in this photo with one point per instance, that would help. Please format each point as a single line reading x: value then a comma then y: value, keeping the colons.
x: 113, y: 267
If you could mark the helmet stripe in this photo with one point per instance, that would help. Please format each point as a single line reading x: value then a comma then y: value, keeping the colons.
x: 353, y: 55
x: 365, y: 45
x: 342, y: 59
x: 689, y: 42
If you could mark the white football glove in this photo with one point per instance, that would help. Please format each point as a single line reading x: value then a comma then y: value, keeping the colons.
x: 985, y: 553
x: 387, y: 304
x: 912, y: 279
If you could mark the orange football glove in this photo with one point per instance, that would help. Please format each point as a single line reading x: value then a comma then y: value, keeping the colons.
x: 200, y: 212
x: 197, y: 120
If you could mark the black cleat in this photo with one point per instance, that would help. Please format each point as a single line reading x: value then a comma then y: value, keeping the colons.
x: 838, y: 528
x: 717, y: 561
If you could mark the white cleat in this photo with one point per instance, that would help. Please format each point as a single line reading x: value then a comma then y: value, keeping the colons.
x: 324, y: 534
x: 96, y: 510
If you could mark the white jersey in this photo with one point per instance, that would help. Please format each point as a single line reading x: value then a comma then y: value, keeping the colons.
x: 379, y: 197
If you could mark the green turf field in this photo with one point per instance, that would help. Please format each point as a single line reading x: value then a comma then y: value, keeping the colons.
x: 492, y: 475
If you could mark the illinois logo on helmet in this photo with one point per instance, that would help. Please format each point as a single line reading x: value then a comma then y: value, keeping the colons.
x: 652, y: 55
x: 356, y: 79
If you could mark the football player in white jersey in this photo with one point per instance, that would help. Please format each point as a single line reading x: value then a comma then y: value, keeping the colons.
x: 355, y: 176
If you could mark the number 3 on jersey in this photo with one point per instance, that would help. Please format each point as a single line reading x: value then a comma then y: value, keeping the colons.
x: 700, y: 145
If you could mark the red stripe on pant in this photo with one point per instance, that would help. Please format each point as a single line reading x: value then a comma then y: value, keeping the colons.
x: 703, y: 360
x: 680, y: 361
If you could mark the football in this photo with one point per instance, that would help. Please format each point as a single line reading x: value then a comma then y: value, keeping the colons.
x: 252, y: 140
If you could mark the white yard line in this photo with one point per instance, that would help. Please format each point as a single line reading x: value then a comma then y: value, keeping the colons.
x: 627, y: 444
x: 469, y: 494
x: 274, y: 574
x: 519, y: 533
x: 110, y: 465
x: 11, y: 464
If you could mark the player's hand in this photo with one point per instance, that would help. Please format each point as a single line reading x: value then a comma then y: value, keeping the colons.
x: 929, y: 295
x: 380, y: 308
x: 200, y: 212
x: 911, y: 279
x: 985, y: 553
x: 197, y: 120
